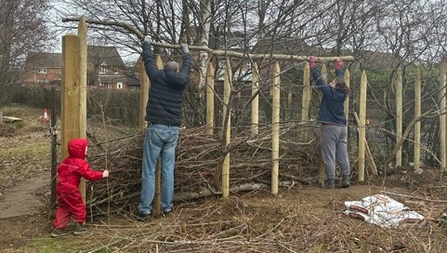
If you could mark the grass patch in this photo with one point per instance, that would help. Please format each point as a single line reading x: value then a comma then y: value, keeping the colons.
x: 16, y: 124
x: 22, y: 111
x: 34, y: 149
x: 23, y: 154
x: 49, y: 245
x: 65, y: 244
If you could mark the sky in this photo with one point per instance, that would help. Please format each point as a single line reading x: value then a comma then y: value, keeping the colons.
x: 60, y: 9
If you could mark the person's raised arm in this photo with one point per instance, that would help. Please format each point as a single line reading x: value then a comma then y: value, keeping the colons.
x: 315, y: 72
x: 185, y: 71
x: 148, y: 56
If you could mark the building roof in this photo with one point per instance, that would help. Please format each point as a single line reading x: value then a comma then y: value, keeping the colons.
x: 45, y: 60
x: 96, y: 55
x: 375, y: 60
x: 103, y: 54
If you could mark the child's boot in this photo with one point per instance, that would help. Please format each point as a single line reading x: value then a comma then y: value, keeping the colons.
x: 58, y: 232
x: 79, y: 228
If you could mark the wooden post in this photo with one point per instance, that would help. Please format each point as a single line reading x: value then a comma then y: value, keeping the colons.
x: 324, y: 72
x: 255, y: 101
x: 347, y: 80
x: 276, y: 105
x: 144, y: 95
x: 157, y: 197
x: 210, y: 99
x: 417, y: 125
x: 368, y: 150
x: 442, y: 117
x: 307, y: 96
x: 227, y: 129
x: 70, y: 114
x: 399, y: 94
x: 82, y: 33
x: 289, y: 99
x: 361, y: 126
x: 322, y: 169
x: 54, y: 162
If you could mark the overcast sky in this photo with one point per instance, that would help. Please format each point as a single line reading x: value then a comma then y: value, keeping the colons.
x: 55, y: 15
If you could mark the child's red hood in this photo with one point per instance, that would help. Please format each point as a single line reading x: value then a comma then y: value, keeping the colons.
x: 76, y: 147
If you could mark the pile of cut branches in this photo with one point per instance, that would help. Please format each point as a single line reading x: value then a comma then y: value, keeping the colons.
x: 198, y: 165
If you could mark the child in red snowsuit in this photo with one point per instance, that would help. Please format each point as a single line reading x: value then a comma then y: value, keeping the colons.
x: 70, y: 201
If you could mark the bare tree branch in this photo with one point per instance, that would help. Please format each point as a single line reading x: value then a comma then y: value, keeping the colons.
x: 428, y: 114
x: 219, y: 52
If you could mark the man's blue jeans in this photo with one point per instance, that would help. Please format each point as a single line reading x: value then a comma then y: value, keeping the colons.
x: 160, y: 140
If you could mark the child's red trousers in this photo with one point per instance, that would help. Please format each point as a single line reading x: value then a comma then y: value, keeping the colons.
x: 70, y: 205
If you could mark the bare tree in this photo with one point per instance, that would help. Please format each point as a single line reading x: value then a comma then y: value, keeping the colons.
x: 405, y: 34
x: 22, y: 29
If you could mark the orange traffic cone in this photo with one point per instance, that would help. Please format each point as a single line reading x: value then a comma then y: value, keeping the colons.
x: 45, y: 117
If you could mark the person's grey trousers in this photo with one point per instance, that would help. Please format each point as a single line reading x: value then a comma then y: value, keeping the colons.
x: 334, y: 148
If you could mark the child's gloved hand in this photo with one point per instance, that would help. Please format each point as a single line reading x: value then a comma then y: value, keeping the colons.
x: 105, y: 173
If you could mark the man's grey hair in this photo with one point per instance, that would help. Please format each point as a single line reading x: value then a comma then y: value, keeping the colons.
x: 172, y: 66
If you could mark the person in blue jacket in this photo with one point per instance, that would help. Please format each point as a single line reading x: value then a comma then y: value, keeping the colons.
x: 332, y: 118
x: 164, y: 116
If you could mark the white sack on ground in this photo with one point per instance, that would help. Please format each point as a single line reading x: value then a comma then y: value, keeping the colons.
x: 382, y: 210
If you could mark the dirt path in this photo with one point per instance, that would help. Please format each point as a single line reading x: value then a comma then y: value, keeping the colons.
x: 21, y: 199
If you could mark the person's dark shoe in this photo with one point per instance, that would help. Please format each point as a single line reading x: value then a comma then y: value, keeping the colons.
x: 143, y: 216
x: 345, y: 183
x: 167, y: 212
x: 328, y: 184
x: 59, y: 232
x: 79, y: 229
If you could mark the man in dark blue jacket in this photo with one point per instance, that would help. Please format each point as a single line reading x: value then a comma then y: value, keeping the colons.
x: 164, y: 116
x: 334, y: 130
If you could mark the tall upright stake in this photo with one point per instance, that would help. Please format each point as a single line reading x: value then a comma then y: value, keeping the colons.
x: 82, y: 33
x: 321, y: 168
x: 210, y: 100
x: 361, y: 126
x: 307, y: 96
x: 54, y: 162
x: 347, y: 79
x: 442, y: 116
x: 144, y: 95
x: 255, y: 101
x: 399, y: 94
x: 227, y: 130
x: 417, y: 125
x: 70, y: 114
x: 276, y: 105
x: 157, y: 198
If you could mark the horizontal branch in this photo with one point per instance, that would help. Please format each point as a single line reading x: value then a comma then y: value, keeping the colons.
x: 219, y: 52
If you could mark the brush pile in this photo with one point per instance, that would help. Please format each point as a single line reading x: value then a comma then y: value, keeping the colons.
x: 198, y: 166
